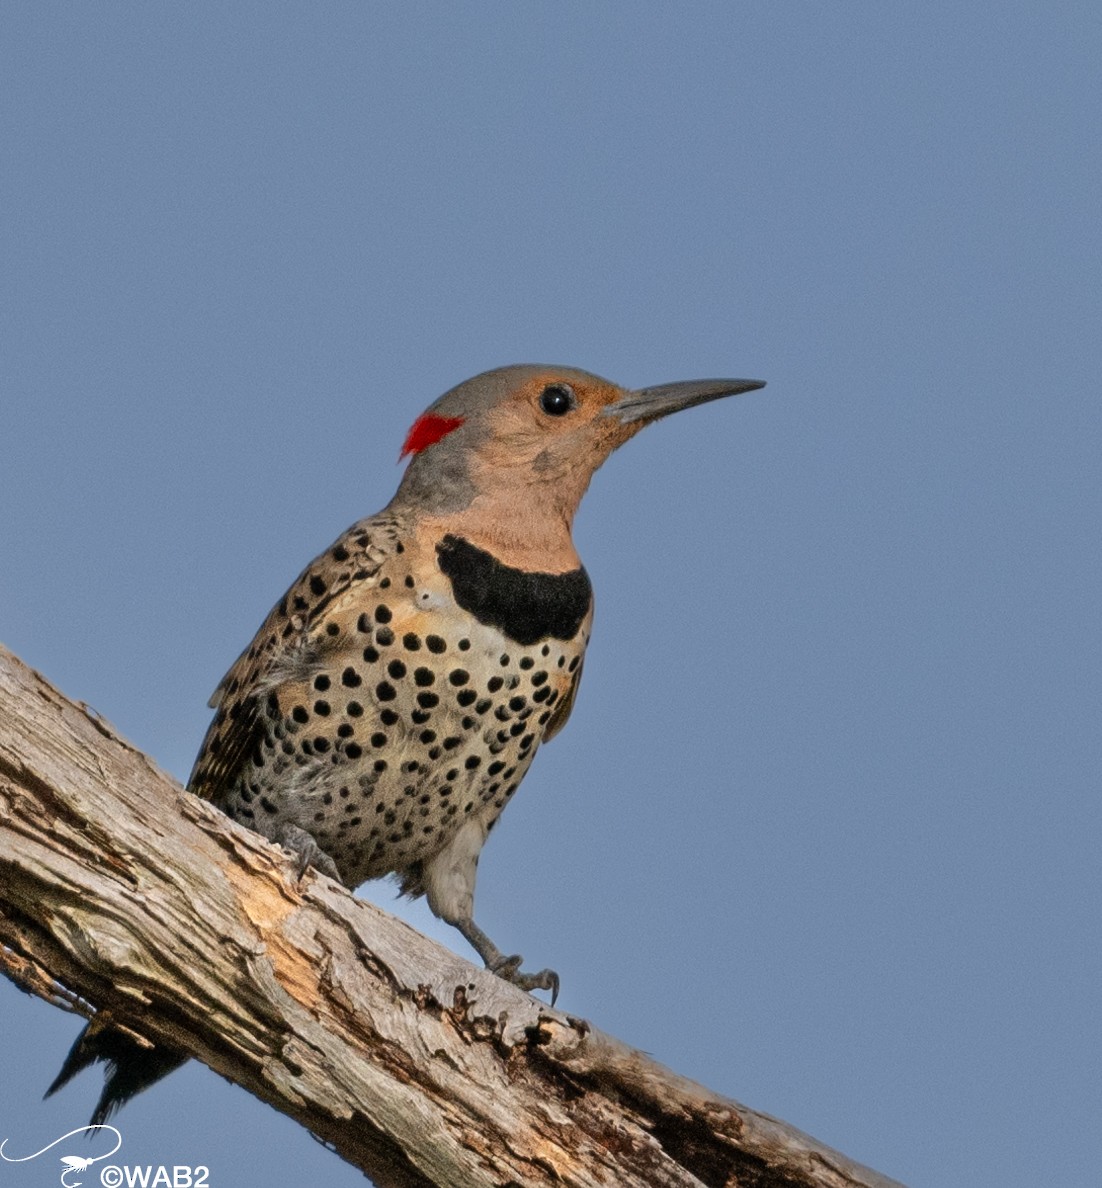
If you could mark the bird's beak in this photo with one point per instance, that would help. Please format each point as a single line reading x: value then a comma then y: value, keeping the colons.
x: 648, y: 404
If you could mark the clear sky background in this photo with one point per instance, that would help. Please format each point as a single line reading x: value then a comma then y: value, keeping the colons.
x: 824, y: 831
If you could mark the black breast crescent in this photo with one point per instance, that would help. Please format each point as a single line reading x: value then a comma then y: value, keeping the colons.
x: 527, y: 607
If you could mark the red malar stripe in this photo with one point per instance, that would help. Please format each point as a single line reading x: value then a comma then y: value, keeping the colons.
x: 426, y: 431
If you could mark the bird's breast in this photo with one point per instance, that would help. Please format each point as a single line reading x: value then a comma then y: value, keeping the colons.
x: 409, y: 715
x: 526, y: 606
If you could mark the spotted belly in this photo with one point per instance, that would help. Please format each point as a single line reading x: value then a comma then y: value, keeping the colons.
x: 411, y: 723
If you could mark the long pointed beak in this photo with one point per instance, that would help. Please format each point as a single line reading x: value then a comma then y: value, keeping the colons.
x: 648, y: 404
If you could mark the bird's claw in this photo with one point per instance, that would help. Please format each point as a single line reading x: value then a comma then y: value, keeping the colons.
x: 546, y: 979
x: 508, y: 969
x: 307, y: 853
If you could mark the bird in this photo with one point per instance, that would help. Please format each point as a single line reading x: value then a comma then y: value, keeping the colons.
x: 393, y: 700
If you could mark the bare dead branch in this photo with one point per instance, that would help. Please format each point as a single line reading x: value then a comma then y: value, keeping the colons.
x: 186, y: 929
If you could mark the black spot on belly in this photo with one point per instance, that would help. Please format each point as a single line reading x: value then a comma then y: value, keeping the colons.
x: 526, y: 606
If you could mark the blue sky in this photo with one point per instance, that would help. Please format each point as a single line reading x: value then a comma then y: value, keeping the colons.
x: 824, y: 830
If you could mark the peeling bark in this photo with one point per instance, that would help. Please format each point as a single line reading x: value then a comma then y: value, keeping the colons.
x: 187, y: 929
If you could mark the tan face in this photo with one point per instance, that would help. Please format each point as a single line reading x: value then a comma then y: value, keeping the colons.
x: 526, y: 442
x: 553, y: 425
x: 506, y: 457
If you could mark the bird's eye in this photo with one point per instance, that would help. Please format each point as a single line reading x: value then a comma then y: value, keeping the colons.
x: 557, y: 399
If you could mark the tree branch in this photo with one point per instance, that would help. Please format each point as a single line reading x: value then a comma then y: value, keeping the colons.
x: 189, y: 930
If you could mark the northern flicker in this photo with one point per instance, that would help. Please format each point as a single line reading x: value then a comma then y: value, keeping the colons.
x: 394, y: 698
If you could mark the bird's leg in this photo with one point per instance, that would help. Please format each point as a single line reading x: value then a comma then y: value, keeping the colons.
x: 305, y: 847
x: 449, y: 879
x: 507, y: 968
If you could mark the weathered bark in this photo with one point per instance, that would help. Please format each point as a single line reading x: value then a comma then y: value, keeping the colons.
x: 418, y: 1068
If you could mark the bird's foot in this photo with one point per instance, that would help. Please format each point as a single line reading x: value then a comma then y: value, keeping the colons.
x: 508, y: 969
x: 307, y: 851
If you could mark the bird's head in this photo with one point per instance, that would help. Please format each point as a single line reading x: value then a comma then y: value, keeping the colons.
x: 519, y: 445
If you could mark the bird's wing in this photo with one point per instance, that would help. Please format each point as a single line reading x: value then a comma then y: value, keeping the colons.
x: 289, y: 644
x: 561, y: 713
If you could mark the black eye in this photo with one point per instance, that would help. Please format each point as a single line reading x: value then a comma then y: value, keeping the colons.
x: 557, y: 399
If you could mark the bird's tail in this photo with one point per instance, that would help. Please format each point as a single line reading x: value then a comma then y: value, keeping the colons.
x: 130, y: 1067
